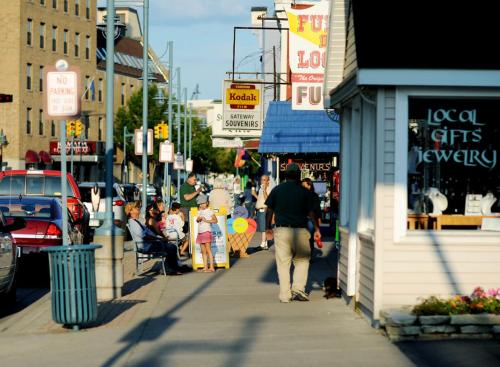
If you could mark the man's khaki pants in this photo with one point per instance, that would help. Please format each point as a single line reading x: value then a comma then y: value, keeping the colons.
x: 292, y: 244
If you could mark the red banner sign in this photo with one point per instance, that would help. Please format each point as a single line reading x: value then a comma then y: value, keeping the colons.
x: 84, y: 147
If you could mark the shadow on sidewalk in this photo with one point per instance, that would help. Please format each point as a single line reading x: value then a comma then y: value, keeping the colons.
x: 152, y: 329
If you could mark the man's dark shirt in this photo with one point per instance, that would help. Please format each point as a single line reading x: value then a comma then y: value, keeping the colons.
x: 187, y: 189
x: 291, y: 204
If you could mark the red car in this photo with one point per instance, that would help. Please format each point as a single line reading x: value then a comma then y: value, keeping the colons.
x: 46, y: 183
x: 43, y: 217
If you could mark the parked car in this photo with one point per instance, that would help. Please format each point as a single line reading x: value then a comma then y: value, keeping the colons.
x: 46, y: 183
x: 131, y: 192
x: 8, y: 259
x: 119, y: 202
x: 151, y: 193
x: 43, y: 217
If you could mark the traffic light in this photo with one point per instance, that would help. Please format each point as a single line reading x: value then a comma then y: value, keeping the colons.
x: 164, y: 131
x: 70, y: 128
x: 157, y: 131
x: 78, y: 127
x: 4, y: 98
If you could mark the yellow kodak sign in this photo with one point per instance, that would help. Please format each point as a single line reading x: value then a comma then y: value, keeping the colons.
x: 242, y: 96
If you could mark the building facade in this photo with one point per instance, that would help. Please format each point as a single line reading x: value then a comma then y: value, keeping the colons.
x: 37, y: 34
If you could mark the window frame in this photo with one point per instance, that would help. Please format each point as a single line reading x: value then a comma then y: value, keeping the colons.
x: 65, y: 42
x: 41, y: 78
x: 54, y: 38
x: 77, y: 44
x: 29, y: 32
x: 28, y: 121
x: 29, y: 77
x: 41, y: 127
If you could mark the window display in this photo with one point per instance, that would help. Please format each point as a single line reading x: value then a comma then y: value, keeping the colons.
x: 453, y: 170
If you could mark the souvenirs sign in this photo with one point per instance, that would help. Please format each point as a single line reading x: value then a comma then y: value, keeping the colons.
x: 242, y: 109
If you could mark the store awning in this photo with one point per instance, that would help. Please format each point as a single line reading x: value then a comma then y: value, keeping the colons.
x: 31, y: 157
x: 45, y: 157
x: 294, y: 131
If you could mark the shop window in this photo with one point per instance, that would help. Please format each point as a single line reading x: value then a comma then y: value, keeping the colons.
x: 453, y: 170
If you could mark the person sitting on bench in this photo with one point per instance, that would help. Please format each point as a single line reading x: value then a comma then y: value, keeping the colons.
x: 151, y: 243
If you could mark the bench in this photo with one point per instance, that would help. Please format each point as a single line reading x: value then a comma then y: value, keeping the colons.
x: 142, y: 256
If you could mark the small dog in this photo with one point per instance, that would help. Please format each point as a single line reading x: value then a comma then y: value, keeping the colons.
x: 330, y: 288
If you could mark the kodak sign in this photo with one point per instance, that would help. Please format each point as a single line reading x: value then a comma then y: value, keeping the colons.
x: 242, y: 96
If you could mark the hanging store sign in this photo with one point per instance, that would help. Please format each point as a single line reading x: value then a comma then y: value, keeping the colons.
x: 227, y: 143
x: 242, y: 113
x: 308, y: 39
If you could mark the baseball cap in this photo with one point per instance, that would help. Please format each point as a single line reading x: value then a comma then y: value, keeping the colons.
x: 201, y: 198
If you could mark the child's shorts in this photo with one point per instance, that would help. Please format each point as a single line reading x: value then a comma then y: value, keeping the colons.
x: 204, y: 237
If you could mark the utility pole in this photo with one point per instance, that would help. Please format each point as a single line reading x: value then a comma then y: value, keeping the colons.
x: 185, y: 131
x: 145, y: 85
x: 167, y: 177
x: 178, y: 119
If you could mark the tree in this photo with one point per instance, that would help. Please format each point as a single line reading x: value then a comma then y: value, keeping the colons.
x: 205, y: 157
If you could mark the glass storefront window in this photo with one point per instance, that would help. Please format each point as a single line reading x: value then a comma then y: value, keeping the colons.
x: 453, y: 169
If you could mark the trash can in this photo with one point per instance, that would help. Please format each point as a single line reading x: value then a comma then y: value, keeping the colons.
x: 72, y: 284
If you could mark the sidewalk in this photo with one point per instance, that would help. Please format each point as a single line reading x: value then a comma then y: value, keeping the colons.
x: 228, y: 318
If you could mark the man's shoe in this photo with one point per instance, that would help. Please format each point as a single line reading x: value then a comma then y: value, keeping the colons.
x: 285, y: 300
x: 264, y: 246
x: 300, y: 296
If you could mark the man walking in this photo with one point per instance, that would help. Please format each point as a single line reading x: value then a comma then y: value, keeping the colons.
x: 291, y: 205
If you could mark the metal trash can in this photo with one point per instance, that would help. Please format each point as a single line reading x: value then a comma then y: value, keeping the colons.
x: 72, y: 284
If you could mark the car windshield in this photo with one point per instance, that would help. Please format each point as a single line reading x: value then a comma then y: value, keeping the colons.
x: 27, y: 210
x: 32, y: 185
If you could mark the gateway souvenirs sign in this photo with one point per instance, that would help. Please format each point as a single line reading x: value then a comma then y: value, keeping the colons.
x: 308, y: 39
x: 242, y: 109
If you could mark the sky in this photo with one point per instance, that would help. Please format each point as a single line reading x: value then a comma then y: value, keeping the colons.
x: 202, y: 32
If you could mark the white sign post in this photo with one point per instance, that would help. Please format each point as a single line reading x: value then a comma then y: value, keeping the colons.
x: 166, y: 154
x: 179, y: 161
x: 138, y: 141
x: 62, y: 101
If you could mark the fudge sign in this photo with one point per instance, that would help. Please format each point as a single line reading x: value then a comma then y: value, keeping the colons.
x: 242, y: 107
